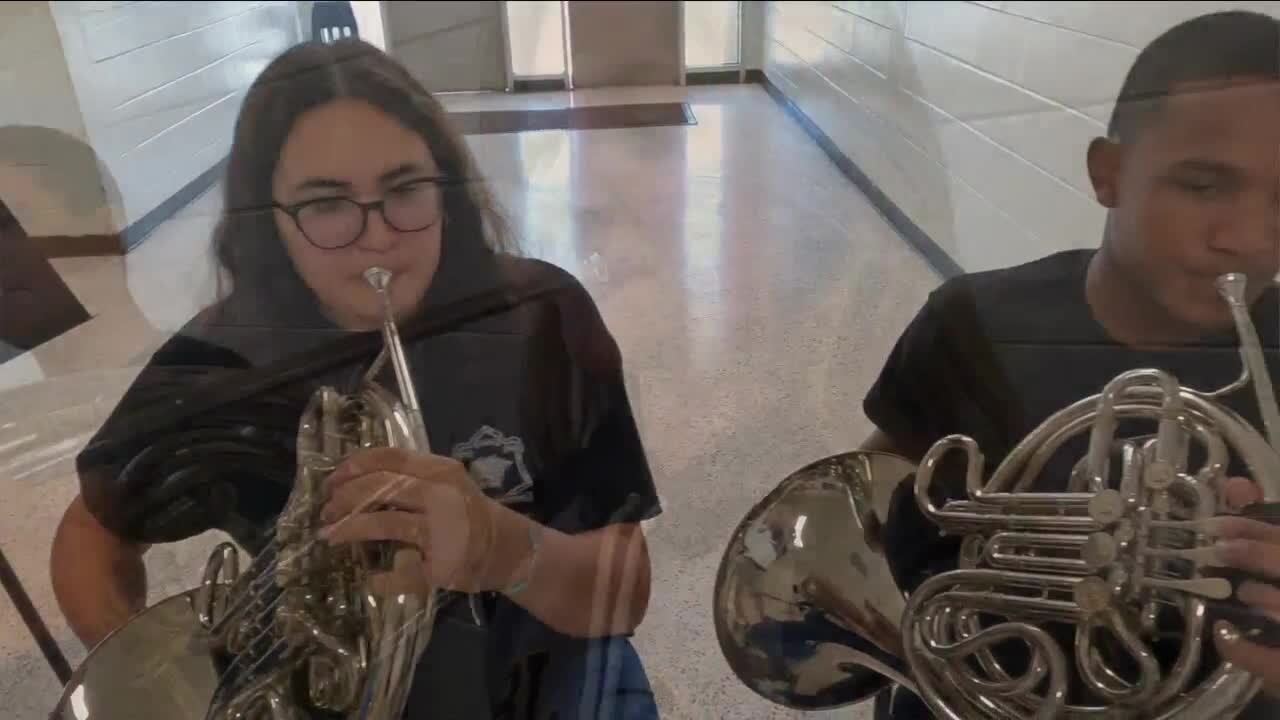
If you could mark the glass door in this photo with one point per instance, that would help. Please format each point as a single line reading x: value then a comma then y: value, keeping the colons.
x: 561, y: 44
x: 712, y: 35
x: 537, y: 44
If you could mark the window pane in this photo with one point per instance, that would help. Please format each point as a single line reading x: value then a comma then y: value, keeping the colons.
x: 710, y: 33
x: 537, y: 39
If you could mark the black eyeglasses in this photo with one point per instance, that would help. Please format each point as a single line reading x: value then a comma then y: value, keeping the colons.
x: 331, y: 223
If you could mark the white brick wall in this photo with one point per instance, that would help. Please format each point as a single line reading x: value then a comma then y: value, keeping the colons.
x: 973, y: 117
x: 160, y: 83
x: 153, y: 87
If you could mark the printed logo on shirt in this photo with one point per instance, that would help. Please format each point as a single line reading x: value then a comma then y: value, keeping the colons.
x: 496, y: 461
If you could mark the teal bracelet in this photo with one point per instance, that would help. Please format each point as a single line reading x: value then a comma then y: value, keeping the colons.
x: 535, y: 542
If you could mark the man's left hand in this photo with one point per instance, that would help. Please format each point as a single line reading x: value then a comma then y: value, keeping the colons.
x: 1254, y: 547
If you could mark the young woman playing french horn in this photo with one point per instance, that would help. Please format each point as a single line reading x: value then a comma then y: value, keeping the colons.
x: 533, y: 495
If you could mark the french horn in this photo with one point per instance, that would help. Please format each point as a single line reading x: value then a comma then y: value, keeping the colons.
x: 305, y: 631
x: 1090, y: 603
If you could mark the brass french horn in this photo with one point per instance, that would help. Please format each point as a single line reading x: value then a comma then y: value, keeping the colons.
x: 1078, y: 587
x: 303, y: 632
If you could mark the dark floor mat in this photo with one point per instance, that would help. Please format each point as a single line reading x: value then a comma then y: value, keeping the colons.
x: 36, y: 306
x: 598, y: 117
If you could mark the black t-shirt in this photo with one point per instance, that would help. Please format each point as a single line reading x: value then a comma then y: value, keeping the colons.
x: 532, y: 399
x: 992, y: 355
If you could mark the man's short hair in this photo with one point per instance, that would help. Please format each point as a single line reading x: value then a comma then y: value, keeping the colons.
x: 1218, y: 46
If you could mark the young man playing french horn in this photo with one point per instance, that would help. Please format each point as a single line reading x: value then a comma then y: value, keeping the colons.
x: 1190, y: 176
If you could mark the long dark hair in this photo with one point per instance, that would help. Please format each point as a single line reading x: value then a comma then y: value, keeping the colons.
x: 249, y: 251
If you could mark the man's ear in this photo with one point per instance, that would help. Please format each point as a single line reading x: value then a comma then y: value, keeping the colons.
x: 1104, y: 160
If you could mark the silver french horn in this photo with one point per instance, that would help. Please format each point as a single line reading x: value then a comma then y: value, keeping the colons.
x: 808, y: 614
x: 304, y: 633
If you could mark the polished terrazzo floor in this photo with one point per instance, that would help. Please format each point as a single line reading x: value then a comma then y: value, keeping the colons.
x: 753, y: 290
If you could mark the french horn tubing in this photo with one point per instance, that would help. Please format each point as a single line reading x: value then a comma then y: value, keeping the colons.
x: 302, y: 632
x: 1089, y: 603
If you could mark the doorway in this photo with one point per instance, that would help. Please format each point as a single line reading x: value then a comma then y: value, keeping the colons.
x: 558, y: 44
x: 450, y: 45
x: 563, y: 44
x: 624, y: 42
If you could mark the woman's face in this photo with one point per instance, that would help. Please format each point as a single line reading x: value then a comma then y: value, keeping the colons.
x: 350, y: 150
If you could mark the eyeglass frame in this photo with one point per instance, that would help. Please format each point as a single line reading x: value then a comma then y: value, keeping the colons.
x: 294, y: 209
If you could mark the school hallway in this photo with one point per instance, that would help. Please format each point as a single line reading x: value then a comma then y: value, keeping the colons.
x: 754, y: 293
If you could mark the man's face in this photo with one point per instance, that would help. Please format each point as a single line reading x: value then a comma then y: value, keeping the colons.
x: 1195, y: 194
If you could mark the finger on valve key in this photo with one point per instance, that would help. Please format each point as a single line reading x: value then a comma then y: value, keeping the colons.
x: 1240, y: 492
x: 1248, y: 547
x: 408, y: 572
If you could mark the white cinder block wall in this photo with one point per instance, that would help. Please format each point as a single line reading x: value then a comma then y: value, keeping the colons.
x: 972, y: 117
x: 159, y: 84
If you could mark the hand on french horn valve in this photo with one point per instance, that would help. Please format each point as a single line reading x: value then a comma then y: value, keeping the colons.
x: 1252, y: 546
x: 428, y: 502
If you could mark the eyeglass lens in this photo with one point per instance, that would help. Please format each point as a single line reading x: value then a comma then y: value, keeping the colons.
x: 337, y: 222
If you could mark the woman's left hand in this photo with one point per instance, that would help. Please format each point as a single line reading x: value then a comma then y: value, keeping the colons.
x: 426, y: 501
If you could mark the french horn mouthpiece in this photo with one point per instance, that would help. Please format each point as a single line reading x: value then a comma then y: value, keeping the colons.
x: 1232, y: 287
x: 379, y: 278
